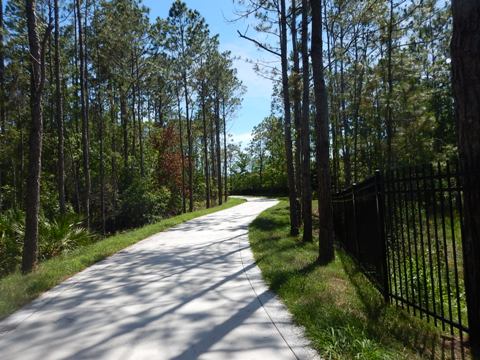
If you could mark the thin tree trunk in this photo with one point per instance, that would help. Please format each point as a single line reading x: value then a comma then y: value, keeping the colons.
x: 335, y: 165
x: 59, y: 114
x: 225, y: 150
x: 189, y: 144
x: 465, y: 50
x: 218, y: 151
x: 297, y: 115
x: 306, y: 176
x: 213, y: 161
x: 389, y: 114
x: 124, y: 121
x: 205, y: 147
x: 140, y: 120
x: 37, y: 78
x: 84, y: 115
x: 326, y: 253
x: 343, y: 111
x: 287, y: 121
x: 113, y: 119
x: 184, y: 206
x: 358, y: 99
x: 3, y: 124
x: 133, y: 109
x: 102, y: 162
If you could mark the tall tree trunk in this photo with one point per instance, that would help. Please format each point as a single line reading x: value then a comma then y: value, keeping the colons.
x: 213, y: 161
x: 297, y: 115
x: 225, y: 175
x: 140, y: 120
x: 84, y: 116
x: 343, y: 111
x: 113, y: 119
x: 334, y: 127
x: 37, y: 78
x: 357, y: 101
x: 184, y: 206
x: 102, y: 161
x: 287, y: 121
x: 189, y: 144
x: 326, y: 253
x: 465, y: 50
x: 389, y: 114
x: 3, y: 124
x: 218, y: 151
x: 59, y: 114
x: 133, y: 109
x: 306, y: 176
x: 205, y: 147
x: 124, y: 121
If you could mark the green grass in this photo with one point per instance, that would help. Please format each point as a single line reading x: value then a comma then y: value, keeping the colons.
x: 17, y: 290
x: 343, y: 314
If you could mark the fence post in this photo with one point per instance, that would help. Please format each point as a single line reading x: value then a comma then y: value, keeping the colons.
x: 354, y: 212
x: 380, y: 200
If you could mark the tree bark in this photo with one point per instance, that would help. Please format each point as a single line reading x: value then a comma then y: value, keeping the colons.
x: 184, y: 206
x: 140, y: 121
x: 465, y: 51
x: 59, y: 114
x: 84, y: 115
x: 287, y: 121
x: 37, y: 79
x: 189, y: 144
x: 3, y: 124
x: 218, y: 151
x: 124, y: 121
x: 326, y: 252
x: 389, y: 114
x: 297, y: 112
x: 306, y: 176
x: 345, y: 122
x: 205, y: 147
x: 225, y: 179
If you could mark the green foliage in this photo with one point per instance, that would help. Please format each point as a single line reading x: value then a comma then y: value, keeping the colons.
x: 262, y: 167
x: 142, y: 203
x: 56, y: 237
x: 62, y: 235
x: 11, y: 230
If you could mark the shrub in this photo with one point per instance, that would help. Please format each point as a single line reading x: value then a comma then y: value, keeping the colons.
x: 56, y: 236
x: 141, y: 204
x: 11, y: 240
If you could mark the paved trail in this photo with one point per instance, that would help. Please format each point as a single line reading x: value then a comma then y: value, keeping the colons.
x: 192, y: 292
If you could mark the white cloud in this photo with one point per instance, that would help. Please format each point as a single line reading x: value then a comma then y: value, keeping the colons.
x: 243, y: 138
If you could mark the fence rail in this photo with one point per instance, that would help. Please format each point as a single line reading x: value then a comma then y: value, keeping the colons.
x: 404, y: 229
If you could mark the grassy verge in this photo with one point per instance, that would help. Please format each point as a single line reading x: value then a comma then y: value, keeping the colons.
x: 17, y: 290
x: 343, y: 314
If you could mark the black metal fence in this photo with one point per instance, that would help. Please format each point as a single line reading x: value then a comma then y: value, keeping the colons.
x: 404, y: 229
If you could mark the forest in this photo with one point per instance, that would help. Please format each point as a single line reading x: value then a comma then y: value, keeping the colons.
x: 387, y: 72
x: 129, y: 120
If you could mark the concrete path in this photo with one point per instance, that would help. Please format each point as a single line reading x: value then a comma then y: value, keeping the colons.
x: 192, y: 292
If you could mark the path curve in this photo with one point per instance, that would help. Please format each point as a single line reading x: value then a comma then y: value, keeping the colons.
x: 191, y: 292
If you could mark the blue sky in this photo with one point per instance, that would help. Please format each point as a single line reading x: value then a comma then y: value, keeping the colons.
x: 217, y: 13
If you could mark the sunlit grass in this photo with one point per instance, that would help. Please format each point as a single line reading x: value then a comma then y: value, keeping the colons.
x: 17, y: 290
x: 343, y: 314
